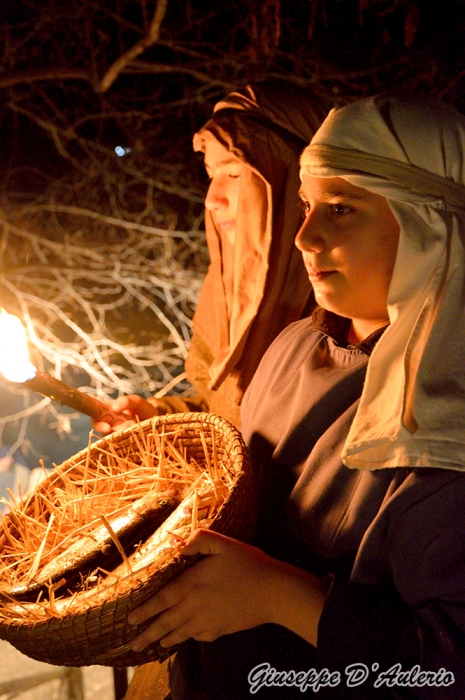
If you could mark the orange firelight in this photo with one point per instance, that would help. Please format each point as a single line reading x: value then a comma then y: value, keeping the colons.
x: 14, y: 357
x: 16, y: 367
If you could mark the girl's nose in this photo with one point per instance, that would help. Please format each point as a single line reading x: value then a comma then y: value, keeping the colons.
x: 310, y: 235
x: 216, y: 198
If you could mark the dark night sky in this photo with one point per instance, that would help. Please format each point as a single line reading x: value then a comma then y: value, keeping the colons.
x: 408, y: 43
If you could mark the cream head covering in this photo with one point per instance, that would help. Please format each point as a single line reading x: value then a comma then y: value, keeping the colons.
x: 410, y: 150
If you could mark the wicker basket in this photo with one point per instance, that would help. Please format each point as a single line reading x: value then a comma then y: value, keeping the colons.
x: 96, y: 630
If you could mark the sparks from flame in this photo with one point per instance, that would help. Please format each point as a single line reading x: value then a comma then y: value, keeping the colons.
x: 14, y: 357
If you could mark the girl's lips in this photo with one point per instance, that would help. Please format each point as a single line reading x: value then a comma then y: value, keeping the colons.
x: 226, y: 224
x: 316, y: 274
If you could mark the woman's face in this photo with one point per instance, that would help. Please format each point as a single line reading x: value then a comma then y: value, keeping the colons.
x: 349, y: 243
x: 224, y: 171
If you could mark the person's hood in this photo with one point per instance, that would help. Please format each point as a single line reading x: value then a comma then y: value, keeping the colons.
x: 409, y: 149
x: 266, y: 127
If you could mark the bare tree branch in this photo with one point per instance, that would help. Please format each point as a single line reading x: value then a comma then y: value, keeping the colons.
x: 48, y: 74
x: 151, y: 38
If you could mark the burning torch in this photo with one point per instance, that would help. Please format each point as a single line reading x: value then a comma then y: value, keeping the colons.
x: 16, y: 367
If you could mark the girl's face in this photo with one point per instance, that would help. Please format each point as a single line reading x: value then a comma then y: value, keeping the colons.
x: 349, y: 243
x: 224, y: 171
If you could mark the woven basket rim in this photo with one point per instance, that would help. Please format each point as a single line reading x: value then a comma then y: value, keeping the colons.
x: 174, y: 419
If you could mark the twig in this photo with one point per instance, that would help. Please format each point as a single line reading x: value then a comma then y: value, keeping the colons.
x: 117, y: 543
x: 120, y: 64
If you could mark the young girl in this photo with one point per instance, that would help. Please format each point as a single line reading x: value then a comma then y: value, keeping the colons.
x: 355, y: 419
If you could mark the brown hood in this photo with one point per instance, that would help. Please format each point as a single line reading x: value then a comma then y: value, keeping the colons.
x: 266, y: 127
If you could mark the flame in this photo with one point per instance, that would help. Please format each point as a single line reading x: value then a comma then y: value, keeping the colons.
x: 14, y: 358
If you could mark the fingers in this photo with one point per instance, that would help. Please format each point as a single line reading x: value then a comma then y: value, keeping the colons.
x: 101, y: 427
x: 134, y: 405
x: 174, y: 608
x: 176, y: 618
x: 126, y: 403
x: 167, y: 629
x: 128, y: 409
x: 172, y: 628
x: 173, y: 593
x: 226, y: 591
x: 168, y: 621
x: 105, y: 428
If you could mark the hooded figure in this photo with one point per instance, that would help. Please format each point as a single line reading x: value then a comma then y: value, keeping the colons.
x: 412, y: 407
x: 256, y: 285
x: 355, y: 587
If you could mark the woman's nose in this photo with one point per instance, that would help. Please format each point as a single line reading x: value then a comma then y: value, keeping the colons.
x: 216, y: 198
x: 310, y: 235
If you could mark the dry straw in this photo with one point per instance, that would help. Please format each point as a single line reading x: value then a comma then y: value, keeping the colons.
x: 196, y: 460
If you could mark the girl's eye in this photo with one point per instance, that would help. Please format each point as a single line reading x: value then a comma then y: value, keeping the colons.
x: 340, y: 209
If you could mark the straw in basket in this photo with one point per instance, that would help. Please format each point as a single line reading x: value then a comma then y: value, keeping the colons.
x: 196, y: 459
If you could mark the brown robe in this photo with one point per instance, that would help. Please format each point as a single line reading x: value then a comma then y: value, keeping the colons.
x: 245, y: 304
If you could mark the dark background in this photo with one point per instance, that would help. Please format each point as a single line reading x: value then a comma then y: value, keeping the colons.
x: 56, y: 56
x: 70, y: 92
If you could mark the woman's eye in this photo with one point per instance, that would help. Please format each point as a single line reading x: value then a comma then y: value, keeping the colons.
x: 340, y: 209
x: 304, y: 206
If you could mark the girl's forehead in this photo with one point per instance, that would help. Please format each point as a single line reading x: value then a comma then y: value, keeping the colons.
x: 327, y: 187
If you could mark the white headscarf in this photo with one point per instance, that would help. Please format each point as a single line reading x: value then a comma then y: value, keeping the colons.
x: 409, y: 149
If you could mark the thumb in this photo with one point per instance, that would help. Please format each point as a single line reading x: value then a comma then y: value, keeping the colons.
x: 205, y: 542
